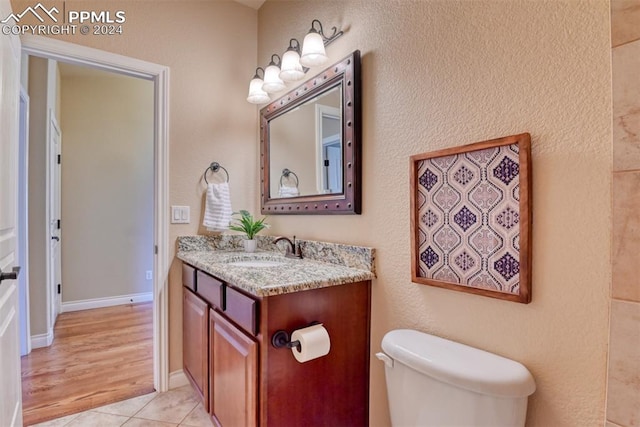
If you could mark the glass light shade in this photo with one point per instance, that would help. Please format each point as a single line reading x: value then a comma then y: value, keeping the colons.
x: 272, y: 81
x: 313, y: 52
x: 256, y: 94
x: 291, y: 69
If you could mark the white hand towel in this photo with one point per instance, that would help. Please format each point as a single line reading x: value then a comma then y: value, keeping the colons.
x: 288, y: 191
x: 217, y: 209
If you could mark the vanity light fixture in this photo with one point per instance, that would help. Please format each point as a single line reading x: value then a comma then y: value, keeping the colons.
x: 256, y: 94
x: 313, y: 52
x: 293, y: 65
x: 291, y: 70
x: 272, y: 81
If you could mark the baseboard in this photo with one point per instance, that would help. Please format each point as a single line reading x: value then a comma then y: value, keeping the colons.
x: 177, y: 379
x: 106, y: 302
x: 42, y: 340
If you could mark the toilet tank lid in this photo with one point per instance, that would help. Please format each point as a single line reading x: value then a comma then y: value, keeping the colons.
x: 458, y: 364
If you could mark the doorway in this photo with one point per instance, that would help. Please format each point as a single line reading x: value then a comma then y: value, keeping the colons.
x: 54, y: 259
x: 79, y: 55
x: 107, y: 188
x: 328, y: 149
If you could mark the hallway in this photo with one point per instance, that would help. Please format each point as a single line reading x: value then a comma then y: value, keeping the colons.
x: 98, y: 357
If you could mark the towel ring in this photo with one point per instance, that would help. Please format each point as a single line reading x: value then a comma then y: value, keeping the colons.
x: 285, y: 174
x: 214, y: 167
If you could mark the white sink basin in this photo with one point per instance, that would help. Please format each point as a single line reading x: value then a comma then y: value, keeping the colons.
x: 257, y: 263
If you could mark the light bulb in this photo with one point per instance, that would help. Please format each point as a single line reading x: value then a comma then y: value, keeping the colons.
x: 313, y: 52
x: 256, y: 94
x: 272, y: 81
x: 291, y: 69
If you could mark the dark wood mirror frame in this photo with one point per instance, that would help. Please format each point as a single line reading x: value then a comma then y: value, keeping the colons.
x: 347, y: 72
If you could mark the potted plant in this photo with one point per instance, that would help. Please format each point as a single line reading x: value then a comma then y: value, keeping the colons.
x: 250, y: 227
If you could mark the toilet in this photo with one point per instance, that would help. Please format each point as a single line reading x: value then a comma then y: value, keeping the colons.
x: 432, y: 381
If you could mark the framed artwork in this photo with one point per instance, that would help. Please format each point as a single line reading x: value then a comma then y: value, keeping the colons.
x: 471, y: 218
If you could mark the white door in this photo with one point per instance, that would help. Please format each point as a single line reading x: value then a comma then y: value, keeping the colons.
x: 10, y: 398
x: 328, y: 149
x: 333, y: 166
x: 55, y: 265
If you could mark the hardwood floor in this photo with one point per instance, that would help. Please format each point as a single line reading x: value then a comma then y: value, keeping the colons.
x: 98, y: 357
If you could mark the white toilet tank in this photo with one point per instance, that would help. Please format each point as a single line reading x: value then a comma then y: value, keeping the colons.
x: 432, y: 381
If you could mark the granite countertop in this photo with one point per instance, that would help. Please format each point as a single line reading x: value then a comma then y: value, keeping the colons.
x: 344, y: 264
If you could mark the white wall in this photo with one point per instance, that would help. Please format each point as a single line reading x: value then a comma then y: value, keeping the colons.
x: 107, y: 186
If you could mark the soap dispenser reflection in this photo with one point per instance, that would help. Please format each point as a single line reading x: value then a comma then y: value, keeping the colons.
x: 292, y: 250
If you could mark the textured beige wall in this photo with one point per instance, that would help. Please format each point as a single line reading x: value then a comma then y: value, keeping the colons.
x: 210, y: 47
x: 107, y: 183
x: 445, y: 73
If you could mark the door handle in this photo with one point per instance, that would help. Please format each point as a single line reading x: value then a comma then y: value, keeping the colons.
x: 56, y: 238
x: 10, y: 276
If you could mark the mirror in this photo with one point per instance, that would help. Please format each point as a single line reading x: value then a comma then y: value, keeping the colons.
x: 310, y: 145
x: 307, y: 141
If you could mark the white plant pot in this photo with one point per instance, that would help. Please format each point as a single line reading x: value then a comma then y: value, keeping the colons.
x: 250, y: 245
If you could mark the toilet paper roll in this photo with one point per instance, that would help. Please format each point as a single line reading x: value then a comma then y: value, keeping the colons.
x: 314, y: 343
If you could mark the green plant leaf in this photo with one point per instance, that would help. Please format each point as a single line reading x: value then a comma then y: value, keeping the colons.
x: 247, y: 224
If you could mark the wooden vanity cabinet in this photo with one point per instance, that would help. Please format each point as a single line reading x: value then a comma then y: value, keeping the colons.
x: 252, y: 383
x: 234, y: 374
x: 332, y: 390
x: 195, y: 340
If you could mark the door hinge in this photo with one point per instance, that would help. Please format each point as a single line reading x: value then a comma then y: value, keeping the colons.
x: 59, y: 158
x: 59, y: 288
x: 58, y: 224
x: 155, y: 249
x: 326, y: 163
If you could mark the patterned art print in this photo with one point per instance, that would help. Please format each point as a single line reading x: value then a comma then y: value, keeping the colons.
x: 468, y: 219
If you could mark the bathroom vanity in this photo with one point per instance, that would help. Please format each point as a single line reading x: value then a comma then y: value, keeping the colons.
x: 233, y: 304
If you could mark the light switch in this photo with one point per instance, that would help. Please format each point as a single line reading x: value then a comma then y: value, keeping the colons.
x: 180, y: 214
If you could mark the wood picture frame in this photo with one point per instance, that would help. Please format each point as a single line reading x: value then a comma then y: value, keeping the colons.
x: 471, y: 218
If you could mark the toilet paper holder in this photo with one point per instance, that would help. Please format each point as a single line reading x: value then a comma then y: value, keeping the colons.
x: 282, y: 339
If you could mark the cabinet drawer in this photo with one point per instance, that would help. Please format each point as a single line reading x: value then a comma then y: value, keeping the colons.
x: 242, y: 310
x: 210, y: 289
x: 189, y: 276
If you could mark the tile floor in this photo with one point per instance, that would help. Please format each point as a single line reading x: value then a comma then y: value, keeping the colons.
x: 177, y: 407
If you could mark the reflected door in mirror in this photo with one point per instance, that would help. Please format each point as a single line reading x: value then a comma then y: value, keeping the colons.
x: 329, y: 143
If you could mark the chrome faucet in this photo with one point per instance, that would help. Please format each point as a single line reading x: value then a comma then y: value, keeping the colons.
x: 293, y: 249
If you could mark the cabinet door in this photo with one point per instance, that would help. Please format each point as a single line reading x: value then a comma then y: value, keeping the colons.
x: 234, y: 374
x: 195, y: 345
